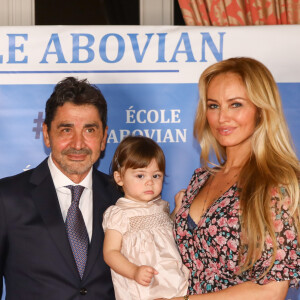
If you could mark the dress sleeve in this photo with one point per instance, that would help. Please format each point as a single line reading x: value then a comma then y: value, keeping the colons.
x: 115, y: 218
x: 165, y: 206
x: 287, y: 259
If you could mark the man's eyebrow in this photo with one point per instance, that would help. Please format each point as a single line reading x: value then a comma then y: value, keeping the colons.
x: 72, y: 125
x: 65, y: 125
x: 91, y: 125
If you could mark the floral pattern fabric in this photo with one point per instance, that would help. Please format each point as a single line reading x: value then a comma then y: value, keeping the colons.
x: 211, y: 249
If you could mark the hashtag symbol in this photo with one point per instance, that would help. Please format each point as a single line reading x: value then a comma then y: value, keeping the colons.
x: 39, y: 125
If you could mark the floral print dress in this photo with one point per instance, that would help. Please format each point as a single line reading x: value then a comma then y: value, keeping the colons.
x: 210, y: 248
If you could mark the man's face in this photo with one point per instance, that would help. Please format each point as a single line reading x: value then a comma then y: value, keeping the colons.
x: 76, y: 139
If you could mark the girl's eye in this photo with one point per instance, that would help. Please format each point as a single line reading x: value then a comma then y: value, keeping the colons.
x: 140, y: 176
x: 156, y: 176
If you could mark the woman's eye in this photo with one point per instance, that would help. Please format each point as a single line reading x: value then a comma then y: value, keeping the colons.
x: 212, y: 106
x: 236, y: 104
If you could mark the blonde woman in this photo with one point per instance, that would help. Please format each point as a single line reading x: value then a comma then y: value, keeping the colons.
x: 237, y: 227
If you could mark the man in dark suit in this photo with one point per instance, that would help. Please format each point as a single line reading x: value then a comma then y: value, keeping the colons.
x: 44, y: 253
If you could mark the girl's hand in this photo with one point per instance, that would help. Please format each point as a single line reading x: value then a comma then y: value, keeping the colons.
x: 144, y: 275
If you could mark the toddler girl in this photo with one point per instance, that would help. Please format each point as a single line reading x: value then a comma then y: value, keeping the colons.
x: 139, y: 245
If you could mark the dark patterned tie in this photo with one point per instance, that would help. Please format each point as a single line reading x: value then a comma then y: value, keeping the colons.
x: 76, y: 230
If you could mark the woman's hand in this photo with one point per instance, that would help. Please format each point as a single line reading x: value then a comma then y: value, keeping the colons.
x: 178, y: 198
x: 144, y: 274
x: 178, y: 201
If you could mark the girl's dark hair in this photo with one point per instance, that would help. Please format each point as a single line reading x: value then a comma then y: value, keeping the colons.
x: 137, y: 152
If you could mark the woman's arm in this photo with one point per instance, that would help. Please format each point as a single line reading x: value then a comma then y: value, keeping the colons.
x: 275, y: 290
x: 114, y: 258
x: 178, y: 201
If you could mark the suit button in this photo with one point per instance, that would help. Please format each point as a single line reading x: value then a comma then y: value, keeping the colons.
x: 83, y: 291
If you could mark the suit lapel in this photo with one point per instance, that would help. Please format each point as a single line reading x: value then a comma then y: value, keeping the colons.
x: 45, y: 198
x: 99, y: 205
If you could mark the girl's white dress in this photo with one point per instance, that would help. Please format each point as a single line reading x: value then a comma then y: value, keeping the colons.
x: 146, y: 228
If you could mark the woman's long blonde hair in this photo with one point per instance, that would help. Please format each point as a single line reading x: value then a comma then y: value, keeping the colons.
x: 272, y: 163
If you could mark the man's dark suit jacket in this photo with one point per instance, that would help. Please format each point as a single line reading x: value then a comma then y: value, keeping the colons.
x: 36, y: 259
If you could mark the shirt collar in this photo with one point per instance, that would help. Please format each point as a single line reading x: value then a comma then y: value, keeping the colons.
x: 61, y: 180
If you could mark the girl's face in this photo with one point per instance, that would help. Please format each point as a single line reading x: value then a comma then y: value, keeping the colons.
x: 230, y: 114
x: 143, y: 184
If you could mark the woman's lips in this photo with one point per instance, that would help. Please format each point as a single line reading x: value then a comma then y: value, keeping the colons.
x: 225, y: 130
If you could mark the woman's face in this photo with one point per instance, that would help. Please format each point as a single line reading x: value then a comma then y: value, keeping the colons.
x: 230, y: 114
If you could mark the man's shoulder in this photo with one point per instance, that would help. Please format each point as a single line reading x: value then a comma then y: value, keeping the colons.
x: 104, y: 182
x: 23, y: 177
x: 14, y: 179
x: 102, y: 176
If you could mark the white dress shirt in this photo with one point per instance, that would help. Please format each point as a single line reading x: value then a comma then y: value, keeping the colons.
x: 64, y: 194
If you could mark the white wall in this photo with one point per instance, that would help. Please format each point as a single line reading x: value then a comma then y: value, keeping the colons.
x: 156, y: 12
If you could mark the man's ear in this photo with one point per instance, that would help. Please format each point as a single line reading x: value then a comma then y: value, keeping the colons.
x: 118, y: 178
x: 46, y: 135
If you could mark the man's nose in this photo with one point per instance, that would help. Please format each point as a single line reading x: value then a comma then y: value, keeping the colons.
x: 78, y: 141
